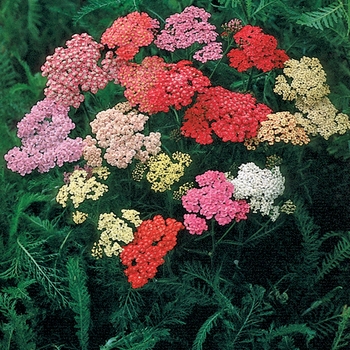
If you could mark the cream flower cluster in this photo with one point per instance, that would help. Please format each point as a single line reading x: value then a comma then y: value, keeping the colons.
x: 304, y: 82
x: 260, y: 187
x: 82, y: 186
x: 115, y: 232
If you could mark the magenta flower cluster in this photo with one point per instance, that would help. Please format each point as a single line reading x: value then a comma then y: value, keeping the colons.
x: 45, y: 143
x: 74, y: 69
x: 212, y: 200
x: 188, y: 27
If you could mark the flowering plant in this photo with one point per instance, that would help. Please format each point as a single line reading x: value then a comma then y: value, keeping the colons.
x: 157, y: 156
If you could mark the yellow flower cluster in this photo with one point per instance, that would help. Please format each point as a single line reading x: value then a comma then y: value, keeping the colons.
x: 132, y: 216
x: 81, y: 187
x: 162, y: 172
x: 305, y: 82
x: 177, y: 195
x: 79, y: 217
x: 282, y: 126
x: 139, y: 171
x: 115, y: 231
x: 273, y: 161
x: 288, y: 207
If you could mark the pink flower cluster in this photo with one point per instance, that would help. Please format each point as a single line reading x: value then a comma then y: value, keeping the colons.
x: 212, y: 200
x: 188, y: 27
x: 129, y: 33
x: 117, y: 130
x: 74, y: 69
x: 45, y: 143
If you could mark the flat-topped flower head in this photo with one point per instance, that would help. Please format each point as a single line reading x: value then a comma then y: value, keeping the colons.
x: 256, y: 49
x: 74, y: 69
x: 45, y: 142
x: 232, y: 116
x: 188, y: 27
x: 212, y: 200
x: 127, y: 34
x: 154, y: 85
x: 153, y: 239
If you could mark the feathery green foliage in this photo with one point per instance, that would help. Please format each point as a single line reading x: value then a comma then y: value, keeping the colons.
x: 80, y: 303
x: 324, y: 17
x: 253, y: 285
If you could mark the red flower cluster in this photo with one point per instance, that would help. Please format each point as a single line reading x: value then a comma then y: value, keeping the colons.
x: 152, y: 240
x: 130, y: 33
x: 256, y: 49
x: 230, y: 115
x: 155, y: 85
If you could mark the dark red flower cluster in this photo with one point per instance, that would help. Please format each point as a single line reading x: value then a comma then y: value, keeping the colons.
x: 129, y: 33
x: 155, y: 85
x: 152, y: 240
x: 256, y: 49
x: 232, y: 116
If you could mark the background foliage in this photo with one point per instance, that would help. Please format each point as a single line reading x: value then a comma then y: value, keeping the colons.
x: 266, y: 285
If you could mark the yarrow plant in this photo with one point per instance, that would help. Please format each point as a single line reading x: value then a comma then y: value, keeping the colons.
x: 154, y: 156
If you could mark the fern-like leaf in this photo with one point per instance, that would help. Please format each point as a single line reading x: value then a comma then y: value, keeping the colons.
x: 140, y: 339
x: 34, y: 18
x: 17, y: 328
x: 324, y: 17
x: 81, y: 300
x: 205, y: 329
x: 334, y: 258
x: 93, y: 5
x: 342, y: 337
x: 248, y: 318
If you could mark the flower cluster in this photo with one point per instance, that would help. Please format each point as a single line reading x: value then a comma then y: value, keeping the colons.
x: 74, y: 69
x: 81, y: 186
x: 232, y: 116
x: 79, y: 217
x: 153, y: 239
x: 130, y: 33
x: 256, y: 49
x: 260, y: 187
x: 323, y: 119
x: 231, y: 27
x: 45, y: 142
x: 212, y: 200
x: 155, y: 85
x: 115, y: 231
x: 281, y: 126
x: 117, y: 131
x: 188, y: 27
x: 305, y: 82
x: 163, y: 172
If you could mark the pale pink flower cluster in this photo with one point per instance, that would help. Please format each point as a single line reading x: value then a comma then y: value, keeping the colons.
x: 188, y: 27
x: 74, y: 69
x: 91, y: 153
x: 212, y: 200
x: 45, y: 143
x: 117, y: 131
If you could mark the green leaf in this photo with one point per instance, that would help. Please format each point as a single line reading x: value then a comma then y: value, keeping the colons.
x: 81, y: 300
x: 324, y: 17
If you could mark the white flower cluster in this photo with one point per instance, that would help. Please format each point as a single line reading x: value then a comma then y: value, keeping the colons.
x: 260, y: 187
